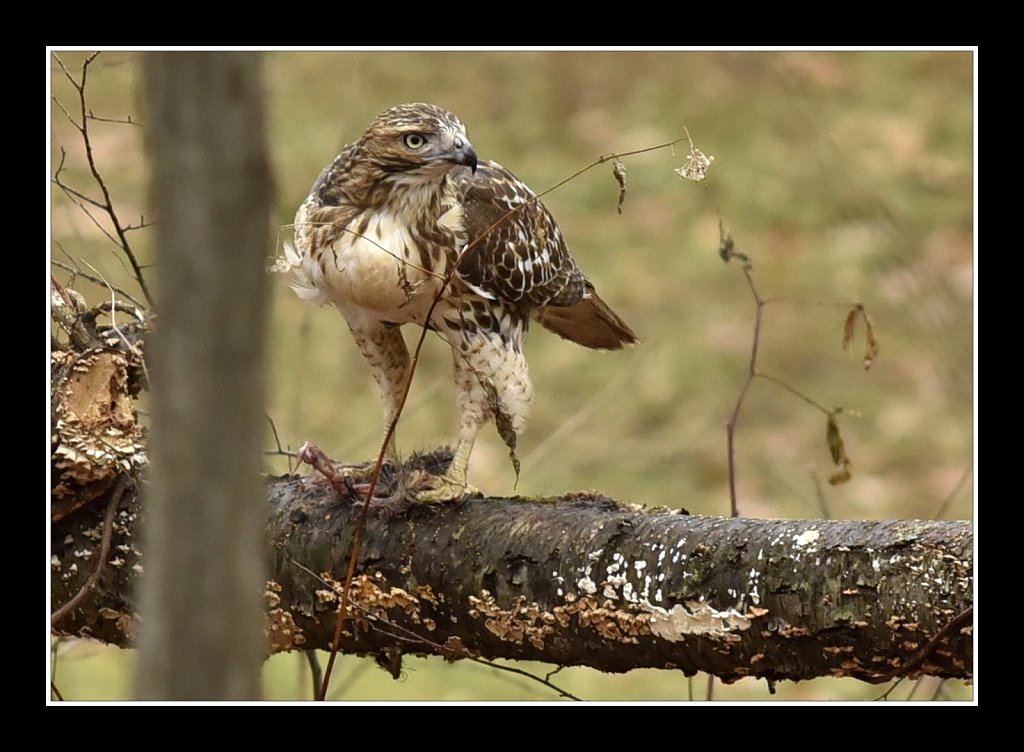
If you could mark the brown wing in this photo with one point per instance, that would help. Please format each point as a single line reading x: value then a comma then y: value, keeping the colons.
x: 522, y: 258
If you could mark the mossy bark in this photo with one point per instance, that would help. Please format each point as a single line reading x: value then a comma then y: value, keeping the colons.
x: 582, y: 580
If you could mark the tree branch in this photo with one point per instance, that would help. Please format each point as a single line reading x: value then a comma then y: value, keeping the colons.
x: 582, y: 580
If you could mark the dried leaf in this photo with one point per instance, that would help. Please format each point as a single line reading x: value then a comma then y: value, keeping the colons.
x: 727, y: 246
x: 835, y: 441
x: 840, y: 477
x: 696, y: 167
x: 850, y: 325
x: 503, y: 422
x: 619, y: 171
x: 872, y: 350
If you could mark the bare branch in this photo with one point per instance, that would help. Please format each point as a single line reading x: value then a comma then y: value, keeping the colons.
x: 66, y: 113
x: 795, y: 392
x: 889, y: 691
x: 962, y: 619
x: 123, y: 121
x: 81, y: 205
x: 316, y: 671
x: 73, y: 192
x: 280, y: 450
x: 134, y: 350
x: 109, y: 306
x: 727, y: 250
x: 107, y: 205
x: 65, y: 310
x: 539, y: 679
x: 819, y: 493
x: 91, y: 278
x: 944, y: 507
x: 140, y: 226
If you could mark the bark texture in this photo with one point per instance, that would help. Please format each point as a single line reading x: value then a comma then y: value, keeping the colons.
x: 582, y: 580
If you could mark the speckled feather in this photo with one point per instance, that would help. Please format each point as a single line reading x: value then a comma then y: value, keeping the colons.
x: 384, y: 223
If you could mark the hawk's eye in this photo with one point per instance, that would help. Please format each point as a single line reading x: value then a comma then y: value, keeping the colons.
x: 414, y: 140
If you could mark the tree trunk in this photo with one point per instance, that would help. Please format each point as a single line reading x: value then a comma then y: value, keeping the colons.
x: 211, y: 190
x: 583, y: 580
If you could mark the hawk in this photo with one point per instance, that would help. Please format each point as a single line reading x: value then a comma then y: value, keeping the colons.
x: 383, y: 226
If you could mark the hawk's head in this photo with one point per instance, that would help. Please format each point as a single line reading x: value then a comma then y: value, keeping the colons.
x: 417, y: 143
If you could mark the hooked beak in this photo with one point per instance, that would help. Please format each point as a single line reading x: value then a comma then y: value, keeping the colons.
x: 463, y: 154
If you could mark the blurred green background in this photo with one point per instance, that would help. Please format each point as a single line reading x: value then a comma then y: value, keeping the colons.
x: 845, y: 176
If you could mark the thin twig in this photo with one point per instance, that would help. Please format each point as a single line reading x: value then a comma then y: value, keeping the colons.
x: 78, y: 202
x: 315, y: 670
x: 730, y: 427
x: 107, y: 204
x: 56, y: 692
x: 113, y: 325
x: 944, y: 507
x: 108, y: 529
x: 281, y: 450
x: 889, y: 691
x: 68, y: 73
x: 65, y: 111
x: 123, y: 121
x: 64, y: 311
x: 393, y: 423
x: 913, y: 690
x: 919, y: 657
x: 54, y: 653
x: 395, y: 256
x: 143, y: 224
x: 819, y: 492
x: 95, y: 280
x: 513, y: 670
x: 795, y: 392
x: 727, y: 250
x: 108, y: 306
x: 349, y: 681
x: 73, y: 191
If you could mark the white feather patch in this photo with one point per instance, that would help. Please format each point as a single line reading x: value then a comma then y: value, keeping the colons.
x: 452, y: 219
x: 304, y: 274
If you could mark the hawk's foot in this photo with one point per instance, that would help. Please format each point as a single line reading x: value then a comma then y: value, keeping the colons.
x: 436, y: 489
x: 344, y: 480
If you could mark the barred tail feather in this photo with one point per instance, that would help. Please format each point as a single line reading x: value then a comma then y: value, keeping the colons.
x: 591, y: 323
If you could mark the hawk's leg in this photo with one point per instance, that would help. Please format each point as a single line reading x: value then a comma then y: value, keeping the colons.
x: 492, y: 382
x: 384, y: 349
